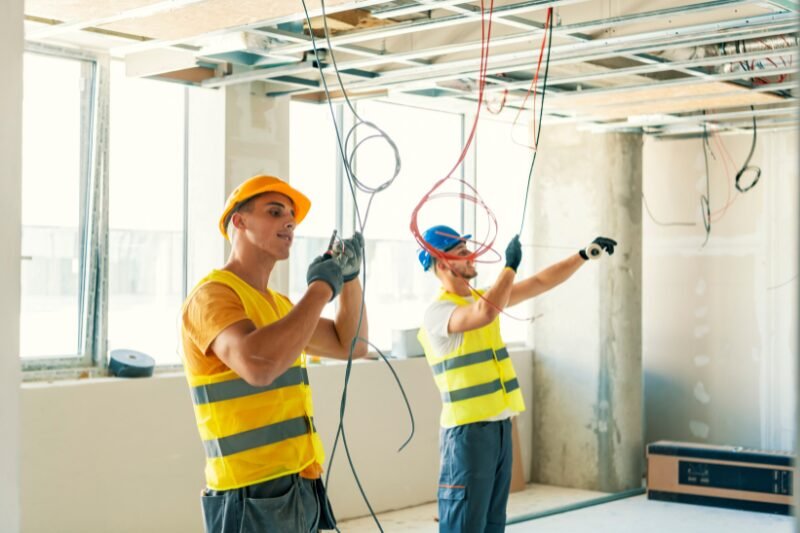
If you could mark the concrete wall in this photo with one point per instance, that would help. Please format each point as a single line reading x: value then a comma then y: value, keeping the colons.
x: 106, y: 455
x: 587, y: 385
x: 10, y: 231
x: 720, y: 322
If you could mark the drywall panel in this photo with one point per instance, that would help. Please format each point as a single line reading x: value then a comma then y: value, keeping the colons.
x: 720, y: 321
x: 10, y: 220
x: 124, y: 456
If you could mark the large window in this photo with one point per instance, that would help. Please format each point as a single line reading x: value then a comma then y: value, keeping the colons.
x: 56, y: 205
x: 429, y: 142
x: 499, y: 160
x: 316, y: 172
x: 146, y: 215
x: 105, y: 230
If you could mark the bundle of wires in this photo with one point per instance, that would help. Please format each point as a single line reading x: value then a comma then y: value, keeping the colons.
x: 347, y: 151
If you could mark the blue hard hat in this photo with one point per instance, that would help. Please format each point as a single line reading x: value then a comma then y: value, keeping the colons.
x: 442, y: 238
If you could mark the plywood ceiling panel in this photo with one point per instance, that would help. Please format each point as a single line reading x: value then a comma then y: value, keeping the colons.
x: 211, y: 16
x: 663, y: 100
x: 77, y: 10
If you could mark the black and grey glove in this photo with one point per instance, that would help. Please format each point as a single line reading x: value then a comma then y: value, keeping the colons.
x: 324, y: 268
x: 514, y: 253
x: 349, y: 256
x: 597, y: 247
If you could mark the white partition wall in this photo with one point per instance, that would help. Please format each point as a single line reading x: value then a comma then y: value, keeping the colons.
x: 10, y: 220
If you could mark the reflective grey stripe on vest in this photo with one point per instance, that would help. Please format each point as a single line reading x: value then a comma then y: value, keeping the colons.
x: 511, y: 385
x: 479, y: 390
x: 238, y: 388
x: 502, y: 353
x: 468, y: 359
x: 256, y: 438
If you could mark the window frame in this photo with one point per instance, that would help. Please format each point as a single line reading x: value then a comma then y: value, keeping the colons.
x: 93, y: 215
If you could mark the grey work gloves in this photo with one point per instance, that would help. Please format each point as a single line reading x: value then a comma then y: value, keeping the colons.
x: 597, y: 247
x: 349, y: 256
x: 325, y: 268
x: 339, y: 266
x: 514, y: 253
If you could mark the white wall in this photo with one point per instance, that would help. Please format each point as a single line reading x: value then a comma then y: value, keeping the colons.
x: 111, y: 455
x: 10, y: 220
x: 720, y: 336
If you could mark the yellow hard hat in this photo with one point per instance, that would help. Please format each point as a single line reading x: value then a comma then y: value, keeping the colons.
x: 259, y: 185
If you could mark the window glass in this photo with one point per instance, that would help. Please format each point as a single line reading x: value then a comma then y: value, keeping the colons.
x: 56, y: 122
x: 145, y: 249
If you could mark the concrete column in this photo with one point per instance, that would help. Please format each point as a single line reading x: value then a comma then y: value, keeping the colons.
x: 10, y: 231
x: 587, y: 402
x: 257, y: 142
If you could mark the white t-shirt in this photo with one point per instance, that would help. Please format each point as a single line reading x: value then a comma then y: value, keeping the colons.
x: 435, y: 322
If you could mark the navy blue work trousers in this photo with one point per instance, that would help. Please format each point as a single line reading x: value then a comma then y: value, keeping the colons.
x: 475, y: 477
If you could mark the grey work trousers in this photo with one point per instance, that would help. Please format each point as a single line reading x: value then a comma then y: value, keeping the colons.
x: 288, y: 504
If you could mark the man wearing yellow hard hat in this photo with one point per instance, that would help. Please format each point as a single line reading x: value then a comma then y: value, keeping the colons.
x: 244, y: 353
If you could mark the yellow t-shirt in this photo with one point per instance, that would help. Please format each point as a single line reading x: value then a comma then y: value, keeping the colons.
x: 210, y: 310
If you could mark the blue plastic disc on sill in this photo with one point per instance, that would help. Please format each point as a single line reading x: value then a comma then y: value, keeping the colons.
x: 130, y: 364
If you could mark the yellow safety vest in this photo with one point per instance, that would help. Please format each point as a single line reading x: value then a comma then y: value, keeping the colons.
x: 476, y: 380
x: 254, y: 434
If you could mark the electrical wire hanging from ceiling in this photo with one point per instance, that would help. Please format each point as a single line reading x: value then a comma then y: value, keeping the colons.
x: 355, y: 183
x: 705, y: 200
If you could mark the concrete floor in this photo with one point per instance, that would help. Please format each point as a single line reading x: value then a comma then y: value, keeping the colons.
x: 631, y: 515
x: 640, y: 515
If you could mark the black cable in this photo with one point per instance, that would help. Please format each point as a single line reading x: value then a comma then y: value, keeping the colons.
x: 539, y: 129
x: 705, y: 200
x: 351, y: 135
x: 779, y: 285
x: 746, y: 166
x: 354, y: 183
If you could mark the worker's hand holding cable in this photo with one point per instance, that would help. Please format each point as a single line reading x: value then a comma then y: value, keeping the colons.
x: 325, y: 268
x: 597, y: 247
x: 514, y: 253
x: 349, y: 256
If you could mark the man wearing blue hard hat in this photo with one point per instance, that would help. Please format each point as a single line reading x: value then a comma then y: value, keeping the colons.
x: 475, y: 376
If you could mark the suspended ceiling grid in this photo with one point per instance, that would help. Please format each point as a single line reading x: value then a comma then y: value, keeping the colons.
x: 613, y: 64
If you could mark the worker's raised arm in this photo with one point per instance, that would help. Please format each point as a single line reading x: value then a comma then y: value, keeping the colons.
x: 259, y: 355
x: 333, y: 338
x: 484, y: 310
x: 558, y: 273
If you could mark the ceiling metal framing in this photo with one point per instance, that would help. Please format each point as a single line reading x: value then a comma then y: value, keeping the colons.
x: 608, y: 55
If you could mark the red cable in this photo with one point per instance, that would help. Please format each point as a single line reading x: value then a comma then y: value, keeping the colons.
x: 533, y: 86
x: 472, y: 193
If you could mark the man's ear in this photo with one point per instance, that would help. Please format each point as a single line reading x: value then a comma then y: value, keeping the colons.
x: 237, y: 221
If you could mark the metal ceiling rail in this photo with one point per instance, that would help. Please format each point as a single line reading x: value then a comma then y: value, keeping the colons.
x: 403, y: 28
x: 711, y: 40
x: 432, y: 81
x: 642, y: 58
x: 595, y: 50
x: 650, y: 69
x: 742, y: 126
x: 742, y: 74
x: 472, y: 63
x: 348, y: 48
x: 598, y: 24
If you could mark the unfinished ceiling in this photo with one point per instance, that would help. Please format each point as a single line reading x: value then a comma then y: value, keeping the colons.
x: 662, y: 67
